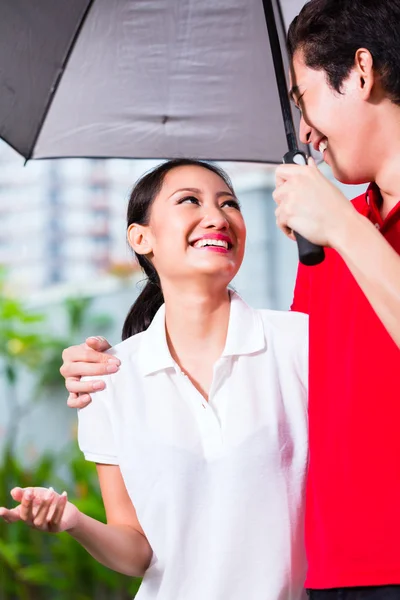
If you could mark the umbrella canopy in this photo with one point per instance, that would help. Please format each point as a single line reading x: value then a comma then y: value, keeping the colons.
x: 141, y: 79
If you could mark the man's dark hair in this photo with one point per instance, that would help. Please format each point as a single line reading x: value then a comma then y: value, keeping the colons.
x: 329, y: 33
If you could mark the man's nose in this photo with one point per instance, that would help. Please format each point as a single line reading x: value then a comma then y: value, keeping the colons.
x: 305, y: 131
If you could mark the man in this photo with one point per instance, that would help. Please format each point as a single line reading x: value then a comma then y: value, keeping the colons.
x: 345, y: 79
x: 346, y: 82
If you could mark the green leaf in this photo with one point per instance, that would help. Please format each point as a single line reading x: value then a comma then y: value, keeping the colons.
x: 10, y: 554
x: 38, y: 574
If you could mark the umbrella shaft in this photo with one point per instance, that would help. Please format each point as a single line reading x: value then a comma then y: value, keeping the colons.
x: 280, y: 75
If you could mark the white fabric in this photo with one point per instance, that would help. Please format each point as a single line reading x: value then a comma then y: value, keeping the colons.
x: 218, y: 488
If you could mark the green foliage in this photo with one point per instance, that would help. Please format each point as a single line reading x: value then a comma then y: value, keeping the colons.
x: 38, y: 566
x: 34, y: 565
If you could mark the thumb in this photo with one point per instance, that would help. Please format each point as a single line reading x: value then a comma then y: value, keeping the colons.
x: 311, y: 163
x: 98, y: 343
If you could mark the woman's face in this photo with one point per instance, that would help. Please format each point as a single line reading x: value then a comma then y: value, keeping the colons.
x: 196, y: 229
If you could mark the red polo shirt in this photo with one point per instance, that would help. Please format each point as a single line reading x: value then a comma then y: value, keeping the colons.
x: 353, y: 492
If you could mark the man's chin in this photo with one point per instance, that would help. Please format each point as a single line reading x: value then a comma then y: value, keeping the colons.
x: 348, y: 177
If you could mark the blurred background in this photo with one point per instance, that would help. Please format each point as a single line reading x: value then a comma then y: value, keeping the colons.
x: 66, y: 272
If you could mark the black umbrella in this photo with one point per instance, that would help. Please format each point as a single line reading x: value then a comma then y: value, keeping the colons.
x: 146, y: 79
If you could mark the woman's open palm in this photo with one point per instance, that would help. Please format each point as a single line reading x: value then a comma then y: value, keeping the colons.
x: 41, y: 508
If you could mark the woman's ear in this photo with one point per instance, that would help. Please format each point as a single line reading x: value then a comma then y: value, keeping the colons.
x: 139, y: 238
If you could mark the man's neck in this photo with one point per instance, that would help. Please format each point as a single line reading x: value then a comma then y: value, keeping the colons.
x: 387, y: 157
x: 388, y: 181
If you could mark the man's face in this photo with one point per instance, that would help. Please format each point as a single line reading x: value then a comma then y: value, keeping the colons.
x: 336, y: 124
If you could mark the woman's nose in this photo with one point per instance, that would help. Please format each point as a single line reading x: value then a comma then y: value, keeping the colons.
x: 305, y: 131
x: 216, y: 218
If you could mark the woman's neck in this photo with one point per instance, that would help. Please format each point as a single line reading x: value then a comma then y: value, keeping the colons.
x: 196, y: 324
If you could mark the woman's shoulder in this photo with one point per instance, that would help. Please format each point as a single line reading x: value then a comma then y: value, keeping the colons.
x: 124, y: 351
x: 127, y: 347
x: 284, y: 318
x: 287, y: 324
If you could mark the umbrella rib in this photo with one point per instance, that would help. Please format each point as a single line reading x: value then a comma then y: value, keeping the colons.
x: 55, y: 85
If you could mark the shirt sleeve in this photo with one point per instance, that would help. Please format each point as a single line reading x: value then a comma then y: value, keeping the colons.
x: 301, y: 299
x: 95, y: 433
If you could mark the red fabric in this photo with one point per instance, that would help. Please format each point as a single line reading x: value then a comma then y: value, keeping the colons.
x: 353, y: 490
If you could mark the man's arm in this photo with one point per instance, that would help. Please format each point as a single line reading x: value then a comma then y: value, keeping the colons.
x: 311, y: 205
x: 376, y: 268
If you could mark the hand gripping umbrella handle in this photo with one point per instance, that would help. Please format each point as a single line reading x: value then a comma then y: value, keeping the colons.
x: 309, y: 254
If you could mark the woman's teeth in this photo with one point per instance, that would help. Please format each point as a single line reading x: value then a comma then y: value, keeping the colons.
x: 323, y: 146
x: 204, y: 242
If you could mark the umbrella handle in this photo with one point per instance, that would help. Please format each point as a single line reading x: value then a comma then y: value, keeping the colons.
x: 309, y: 254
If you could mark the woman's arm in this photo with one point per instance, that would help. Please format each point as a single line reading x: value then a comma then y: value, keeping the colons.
x: 119, y: 545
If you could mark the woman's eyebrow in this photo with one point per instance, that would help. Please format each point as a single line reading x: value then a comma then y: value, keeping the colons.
x: 187, y: 189
x: 197, y: 191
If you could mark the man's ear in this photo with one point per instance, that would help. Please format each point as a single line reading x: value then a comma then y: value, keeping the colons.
x: 139, y: 238
x: 364, y: 65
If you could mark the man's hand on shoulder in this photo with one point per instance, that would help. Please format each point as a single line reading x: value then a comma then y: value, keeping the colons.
x: 87, y: 359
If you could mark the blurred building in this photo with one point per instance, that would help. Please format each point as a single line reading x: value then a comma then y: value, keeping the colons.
x: 63, y: 222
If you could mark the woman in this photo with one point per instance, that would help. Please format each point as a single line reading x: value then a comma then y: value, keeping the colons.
x: 200, y: 438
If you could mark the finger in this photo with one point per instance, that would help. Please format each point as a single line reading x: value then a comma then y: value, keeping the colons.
x: 287, y: 231
x: 17, y: 493
x: 40, y: 519
x: 288, y: 171
x: 75, y: 401
x: 38, y: 493
x: 58, y: 510
x: 279, y: 180
x: 282, y: 224
x: 311, y: 163
x: 4, y: 514
x: 276, y: 196
x: 90, y: 369
x: 84, y: 353
x: 10, y: 515
x: 26, y: 505
x: 76, y: 386
x: 98, y: 343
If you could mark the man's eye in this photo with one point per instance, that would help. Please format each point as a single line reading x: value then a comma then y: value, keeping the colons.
x: 189, y: 200
x: 298, y: 103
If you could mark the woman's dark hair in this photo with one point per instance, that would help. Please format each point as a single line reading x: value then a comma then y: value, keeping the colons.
x: 329, y: 33
x: 141, y: 199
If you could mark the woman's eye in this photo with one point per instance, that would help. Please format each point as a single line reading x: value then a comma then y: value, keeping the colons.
x: 189, y: 200
x: 231, y: 204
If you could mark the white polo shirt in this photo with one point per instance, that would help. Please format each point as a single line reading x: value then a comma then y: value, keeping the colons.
x: 218, y: 487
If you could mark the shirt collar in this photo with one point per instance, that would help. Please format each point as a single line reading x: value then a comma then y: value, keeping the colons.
x: 245, y: 329
x: 373, y: 199
x: 373, y: 204
x: 154, y: 354
x: 245, y: 336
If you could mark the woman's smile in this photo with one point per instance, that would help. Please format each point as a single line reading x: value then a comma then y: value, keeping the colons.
x: 213, y: 242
